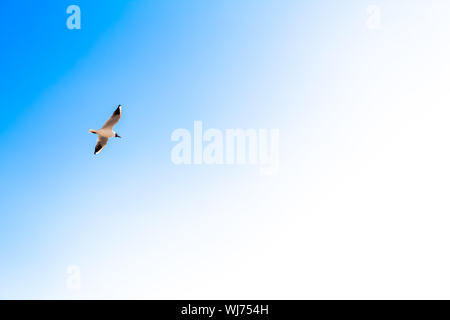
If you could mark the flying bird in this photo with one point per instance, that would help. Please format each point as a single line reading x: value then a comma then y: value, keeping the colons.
x: 106, y: 131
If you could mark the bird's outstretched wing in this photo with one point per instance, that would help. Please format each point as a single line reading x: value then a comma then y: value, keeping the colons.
x: 101, y: 143
x: 114, y: 119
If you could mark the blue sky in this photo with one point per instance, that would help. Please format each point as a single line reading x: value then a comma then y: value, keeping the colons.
x: 348, y: 102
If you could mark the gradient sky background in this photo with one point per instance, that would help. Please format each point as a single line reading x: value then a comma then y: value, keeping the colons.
x: 359, y: 208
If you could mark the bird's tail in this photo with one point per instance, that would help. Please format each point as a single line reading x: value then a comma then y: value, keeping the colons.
x: 93, y: 131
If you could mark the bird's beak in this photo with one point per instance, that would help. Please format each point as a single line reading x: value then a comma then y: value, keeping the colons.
x: 119, y: 136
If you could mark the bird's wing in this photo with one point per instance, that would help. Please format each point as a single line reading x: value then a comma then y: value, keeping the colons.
x: 114, y: 119
x: 101, y: 143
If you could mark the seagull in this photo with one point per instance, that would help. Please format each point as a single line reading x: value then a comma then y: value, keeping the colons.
x: 106, y: 131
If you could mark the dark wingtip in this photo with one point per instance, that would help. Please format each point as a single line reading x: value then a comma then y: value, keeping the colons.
x: 117, y: 112
x: 98, y: 148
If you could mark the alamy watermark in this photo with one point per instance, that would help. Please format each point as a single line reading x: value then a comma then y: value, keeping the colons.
x: 230, y: 146
x: 373, y: 21
x: 73, y: 279
x: 74, y: 20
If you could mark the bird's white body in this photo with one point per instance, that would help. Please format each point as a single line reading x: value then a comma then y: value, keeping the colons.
x: 107, y: 133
